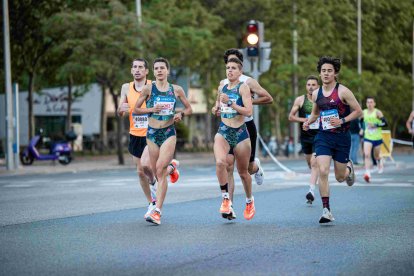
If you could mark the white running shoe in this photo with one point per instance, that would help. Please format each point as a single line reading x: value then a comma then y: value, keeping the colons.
x: 153, y: 189
x: 326, y: 216
x: 350, y: 179
x: 259, y: 175
x: 151, y: 207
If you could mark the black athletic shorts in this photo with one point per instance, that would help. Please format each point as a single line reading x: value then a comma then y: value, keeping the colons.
x: 137, y: 145
x: 307, y: 148
x: 251, y: 129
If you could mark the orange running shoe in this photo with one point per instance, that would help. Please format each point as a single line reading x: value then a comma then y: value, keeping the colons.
x: 249, y: 211
x: 367, y: 178
x: 225, y: 208
x: 175, y: 174
x: 154, y: 217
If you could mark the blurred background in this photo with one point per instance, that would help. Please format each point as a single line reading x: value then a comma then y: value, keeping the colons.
x: 70, y: 58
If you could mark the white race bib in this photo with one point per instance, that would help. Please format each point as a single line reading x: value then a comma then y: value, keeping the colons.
x: 314, y: 125
x: 140, y: 121
x: 167, y: 106
x: 326, y: 117
x: 227, y: 109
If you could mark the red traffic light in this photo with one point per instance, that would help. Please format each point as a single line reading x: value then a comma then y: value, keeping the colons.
x: 252, y: 28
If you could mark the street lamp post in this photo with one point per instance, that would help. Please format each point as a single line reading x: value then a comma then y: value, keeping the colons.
x: 295, y: 77
x: 9, y: 100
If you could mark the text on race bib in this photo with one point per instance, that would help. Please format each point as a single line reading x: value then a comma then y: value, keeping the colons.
x: 326, y: 117
x: 167, y: 106
x: 314, y: 125
x: 140, y: 121
x: 227, y: 109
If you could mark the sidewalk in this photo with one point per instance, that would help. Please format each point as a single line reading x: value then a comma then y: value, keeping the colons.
x: 93, y: 163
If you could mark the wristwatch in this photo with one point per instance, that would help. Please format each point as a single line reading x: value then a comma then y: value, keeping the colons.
x: 343, y: 121
x: 229, y: 102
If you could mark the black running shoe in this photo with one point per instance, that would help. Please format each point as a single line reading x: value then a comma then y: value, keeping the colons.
x: 310, y: 198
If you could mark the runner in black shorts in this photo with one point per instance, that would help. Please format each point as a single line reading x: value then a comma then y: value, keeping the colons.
x: 333, y: 102
x: 303, y: 105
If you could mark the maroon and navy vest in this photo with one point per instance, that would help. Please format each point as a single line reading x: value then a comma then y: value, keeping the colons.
x: 331, y: 107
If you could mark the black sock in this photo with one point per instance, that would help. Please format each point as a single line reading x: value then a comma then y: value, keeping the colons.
x: 325, y: 202
x: 224, y: 188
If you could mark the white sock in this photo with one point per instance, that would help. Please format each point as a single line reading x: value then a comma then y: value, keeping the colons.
x: 225, y: 195
x: 312, y: 187
x: 248, y: 200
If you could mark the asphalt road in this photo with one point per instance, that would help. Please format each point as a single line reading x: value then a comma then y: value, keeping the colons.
x: 92, y: 223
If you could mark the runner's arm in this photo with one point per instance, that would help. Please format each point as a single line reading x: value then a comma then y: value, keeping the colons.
x: 124, y: 91
x: 293, y: 112
x: 315, y: 112
x: 263, y: 97
x: 145, y: 93
x: 382, y: 118
x: 408, y: 124
x: 179, y: 92
x: 215, y: 110
x: 350, y: 99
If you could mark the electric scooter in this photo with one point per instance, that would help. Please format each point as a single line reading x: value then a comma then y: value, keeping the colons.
x: 60, y: 151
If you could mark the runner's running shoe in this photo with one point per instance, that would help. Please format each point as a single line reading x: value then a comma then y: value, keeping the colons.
x: 225, y: 208
x: 350, y: 180
x: 326, y: 216
x: 151, y: 206
x: 249, y: 211
x: 367, y: 177
x: 154, y: 217
x: 259, y: 175
x: 310, y: 198
x: 175, y: 174
x: 232, y: 214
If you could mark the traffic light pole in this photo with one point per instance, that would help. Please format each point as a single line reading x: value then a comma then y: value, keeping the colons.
x: 256, y: 75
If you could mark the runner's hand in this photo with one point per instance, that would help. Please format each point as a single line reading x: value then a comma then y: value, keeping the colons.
x: 178, y: 117
x: 335, y: 122
x: 215, y: 110
x: 305, y: 126
x: 157, y: 108
x: 124, y: 107
x: 224, y: 98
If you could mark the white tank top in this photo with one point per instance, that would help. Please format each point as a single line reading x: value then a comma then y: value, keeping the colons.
x: 242, y: 78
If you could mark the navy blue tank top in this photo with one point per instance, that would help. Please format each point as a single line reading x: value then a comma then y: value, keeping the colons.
x: 331, y: 107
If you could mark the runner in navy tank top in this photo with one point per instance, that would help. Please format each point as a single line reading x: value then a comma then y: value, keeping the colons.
x: 333, y: 103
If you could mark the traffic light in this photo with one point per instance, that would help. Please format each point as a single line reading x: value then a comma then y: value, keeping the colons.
x: 252, y: 38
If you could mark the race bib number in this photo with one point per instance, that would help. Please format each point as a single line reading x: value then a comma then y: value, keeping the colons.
x: 227, y: 109
x: 140, y: 121
x: 326, y: 117
x: 224, y: 109
x: 167, y: 106
x: 314, y: 125
x: 372, y: 130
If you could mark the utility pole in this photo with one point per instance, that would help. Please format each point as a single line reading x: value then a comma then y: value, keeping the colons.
x: 295, y: 77
x: 9, y: 100
x: 256, y: 59
x: 359, y: 40
x: 138, y: 6
x: 16, y: 116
